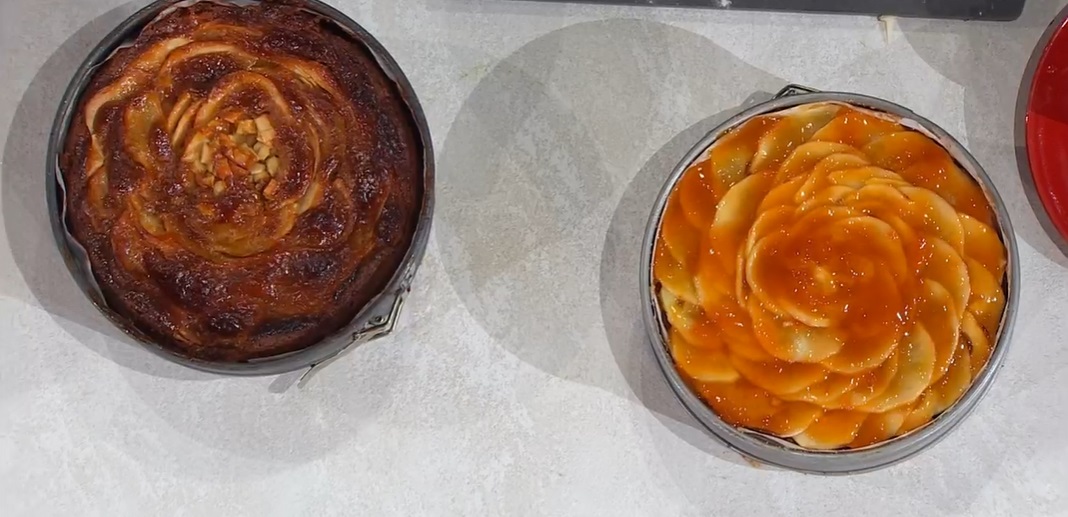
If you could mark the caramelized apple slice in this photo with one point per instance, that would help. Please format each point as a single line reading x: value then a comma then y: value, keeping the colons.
x: 783, y: 194
x: 729, y: 157
x: 879, y: 427
x: 947, y: 268
x: 862, y: 353
x: 940, y: 395
x: 981, y: 243
x: 807, y: 155
x: 875, y: 239
x: 831, y: 195
x: 793, y: 341
x: 826, y: 393
x: 689, y: 320
x: 702, y: 364
x: 779, y: 376
x: 832, y: 430
x: 683, y: 240
x: 869, y: 385
x: 861, y: 176
x: 696, y: 198
x: 898, y: 151
x: 941, y: 175
x: 793, y: 418
x: 888, y: 204
x: 818, y: 179
x: 987, y: 300
x: 789, y: 132
x: 856, y: 128
x: 672, y: 275
x: 760, y: 407
x: 713, y: 281
x: 178, y: 110
x: 956, y: 381
x: 976, y: 342
x: 935, y: 217
x: 771, y: 221
x: 915, y: 369
x: 736, y: 213
x: 142, y: 116
x: 138, y: 73
x: 935, y: 313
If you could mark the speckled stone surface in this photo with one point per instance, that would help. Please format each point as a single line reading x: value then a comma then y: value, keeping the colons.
x: 519, y: 381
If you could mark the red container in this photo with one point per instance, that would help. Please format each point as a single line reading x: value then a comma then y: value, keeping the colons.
x: 1047, y: 128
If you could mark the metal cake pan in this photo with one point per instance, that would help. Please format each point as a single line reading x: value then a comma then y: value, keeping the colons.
x: 377, y: 318
x: 777, y: 452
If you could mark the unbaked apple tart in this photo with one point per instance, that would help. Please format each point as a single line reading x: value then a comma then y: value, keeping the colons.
x: 829, y: 276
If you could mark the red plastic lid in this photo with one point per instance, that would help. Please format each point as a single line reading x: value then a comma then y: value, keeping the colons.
x: 1047, y: 129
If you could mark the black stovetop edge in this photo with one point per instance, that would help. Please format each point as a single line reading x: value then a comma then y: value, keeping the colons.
x: 992, y: 10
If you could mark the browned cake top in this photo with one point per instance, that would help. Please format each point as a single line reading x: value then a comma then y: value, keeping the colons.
x: 245, y: 179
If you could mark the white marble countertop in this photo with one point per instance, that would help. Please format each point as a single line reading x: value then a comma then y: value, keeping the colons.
x: 519, y: 381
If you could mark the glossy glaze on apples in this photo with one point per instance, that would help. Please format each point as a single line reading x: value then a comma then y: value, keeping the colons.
x: 829, y: 276
x: 245, y: 179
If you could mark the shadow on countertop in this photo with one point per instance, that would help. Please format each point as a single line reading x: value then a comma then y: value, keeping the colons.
x: 543, y: 198
x: 621, y: 305
x: 26, y: 219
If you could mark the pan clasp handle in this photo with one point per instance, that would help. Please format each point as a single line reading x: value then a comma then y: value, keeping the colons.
x: 381, y: 323
x: 794, y: 89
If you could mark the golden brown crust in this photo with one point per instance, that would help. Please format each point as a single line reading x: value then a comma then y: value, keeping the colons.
x: 245, y: 179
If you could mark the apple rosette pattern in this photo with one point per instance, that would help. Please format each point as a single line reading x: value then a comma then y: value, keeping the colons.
x: 829, y: 276
x: 243, y: 178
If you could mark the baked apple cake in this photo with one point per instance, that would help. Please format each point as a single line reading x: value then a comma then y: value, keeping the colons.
x: 829, y: 276
x: 244, y: 178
